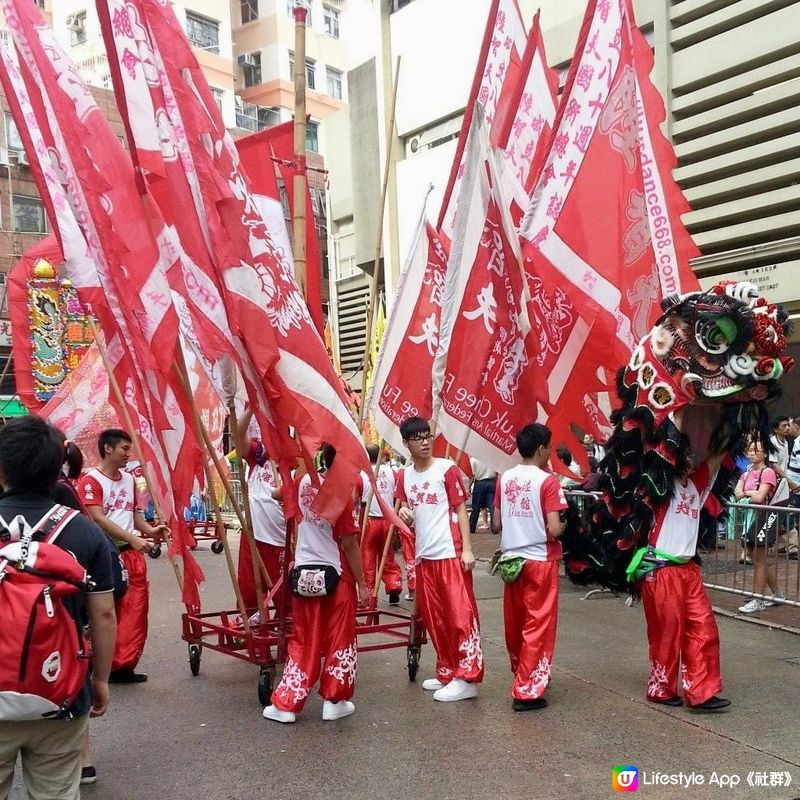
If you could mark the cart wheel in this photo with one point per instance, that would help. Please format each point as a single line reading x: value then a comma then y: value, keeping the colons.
x: 195, y: 651
x: 412, y: 658
x: 266, y: 678
x: 155, y: 552
x: 217, y: 547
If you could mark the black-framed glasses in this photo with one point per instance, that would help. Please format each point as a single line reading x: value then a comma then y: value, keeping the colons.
x: 422, y: 438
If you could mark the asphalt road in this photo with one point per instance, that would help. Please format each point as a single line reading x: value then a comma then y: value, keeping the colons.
x: 182, y: 737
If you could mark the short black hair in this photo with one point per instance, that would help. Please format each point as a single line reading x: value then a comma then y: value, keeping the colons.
x: 562, y: 451
x: 777, y: 420
x: 531, y: 438
x: 414, y: 426
x: 328, y: 455
x: 111, y: 437
x: 31, y: 454
x: 372, y: 451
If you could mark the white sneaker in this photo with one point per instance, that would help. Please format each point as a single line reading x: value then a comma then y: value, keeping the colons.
x: 432, y: 684
x: 753, y: 606
x: 279, y: 715
x: 456, y: 690
x: 409, y: 596
x: 332, y: 711
x: 778, y: 597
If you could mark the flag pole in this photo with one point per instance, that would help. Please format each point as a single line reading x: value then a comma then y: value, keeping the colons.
x: 134, y: 434
x: 299, y: 211
x: 373, y: 289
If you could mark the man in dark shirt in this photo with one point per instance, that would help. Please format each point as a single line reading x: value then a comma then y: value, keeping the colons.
x: 31, y: 455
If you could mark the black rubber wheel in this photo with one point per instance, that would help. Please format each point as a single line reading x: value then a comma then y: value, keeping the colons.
x: 217, y: 547
x: 195, y: 651
x: 266, y: 677
x: 412, y: 658
x: 155, y: 552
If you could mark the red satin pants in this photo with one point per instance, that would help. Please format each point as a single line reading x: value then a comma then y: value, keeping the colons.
x: 446, y: 603
x: 409, y: 561
x: 682, y: 634
x: 323, y: 643
x: 372, y: 544
x: 530, y: 611
x: 272, y: 555
x: 132, y: 612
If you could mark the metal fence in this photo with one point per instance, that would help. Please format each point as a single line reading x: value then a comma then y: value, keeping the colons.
x: 731, y: 567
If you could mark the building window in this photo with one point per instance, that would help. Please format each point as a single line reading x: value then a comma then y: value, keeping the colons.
x: 290, y: 4
x: 218, y: 97
x: 13, y: 139
x: 203, y: 33
x: 249, y: 10
x: 76, y: 24
x: 334, y: 78
x: 251, y: 66
x: 28, y: 214
x: 311, y: 71
x: 312, y: 136
x: 330, y: 21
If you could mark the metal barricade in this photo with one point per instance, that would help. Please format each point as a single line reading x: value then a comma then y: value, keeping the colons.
x: 772, y: 556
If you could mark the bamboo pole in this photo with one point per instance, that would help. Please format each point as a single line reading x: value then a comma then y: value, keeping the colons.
x: 134, y: 434
x: 299, y: 180
x: 259, y: 571
x: 373, y: 288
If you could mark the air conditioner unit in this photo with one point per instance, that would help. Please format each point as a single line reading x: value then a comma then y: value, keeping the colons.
x: 246, y: 60
x: 5, y: 158
x: 76, y: 23
x: 22, y: 158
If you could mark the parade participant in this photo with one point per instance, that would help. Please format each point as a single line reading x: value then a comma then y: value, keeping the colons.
x: 269, y: 525
x: 31, y: 455
x: 377, y: 529
x: 528, y: 507
x: 681, y: 629
x: 433, y: 500
x: 324, y: 580
x: 109, y: 494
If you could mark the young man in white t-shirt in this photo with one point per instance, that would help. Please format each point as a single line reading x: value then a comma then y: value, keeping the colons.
x: 109, y: 494
x: 434, y: 502
x: 269, y: 525
x: 322, y: 645
x: 681, y: 629
x: 377, y: 528
x: 528, y: 506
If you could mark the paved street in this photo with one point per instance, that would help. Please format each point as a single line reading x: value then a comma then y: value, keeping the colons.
x: 184, y: 738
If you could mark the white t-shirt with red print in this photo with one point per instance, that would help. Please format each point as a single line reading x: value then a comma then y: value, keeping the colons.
x: 386, y: 483
x: 432, y: 496
x: 117, y: 497
x: 318, y: 542
x: 677, y: 525
x: 269, y: 525
x: 525, y: 495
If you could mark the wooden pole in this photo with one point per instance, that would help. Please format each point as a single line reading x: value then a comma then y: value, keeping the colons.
x: 373, y: 288
x: 299, y: 211
x: 134, y: 434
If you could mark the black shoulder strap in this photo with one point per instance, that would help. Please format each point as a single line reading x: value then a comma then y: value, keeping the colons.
x: 50, y: 526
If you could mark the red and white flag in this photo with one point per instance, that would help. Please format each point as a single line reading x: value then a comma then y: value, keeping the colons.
x: 522, y: 135
x: 494, y: 87
x: 109, y: 250
x: 602, y: 239
x: 265, y: 308
x: 259, y: 152
x: 401, y: 384
x: 481, y: 374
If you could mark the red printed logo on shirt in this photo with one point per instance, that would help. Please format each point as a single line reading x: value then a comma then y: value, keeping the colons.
x: 685, y: 505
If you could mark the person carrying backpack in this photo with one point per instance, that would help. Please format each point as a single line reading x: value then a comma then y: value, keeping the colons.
x: 55, y: 571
